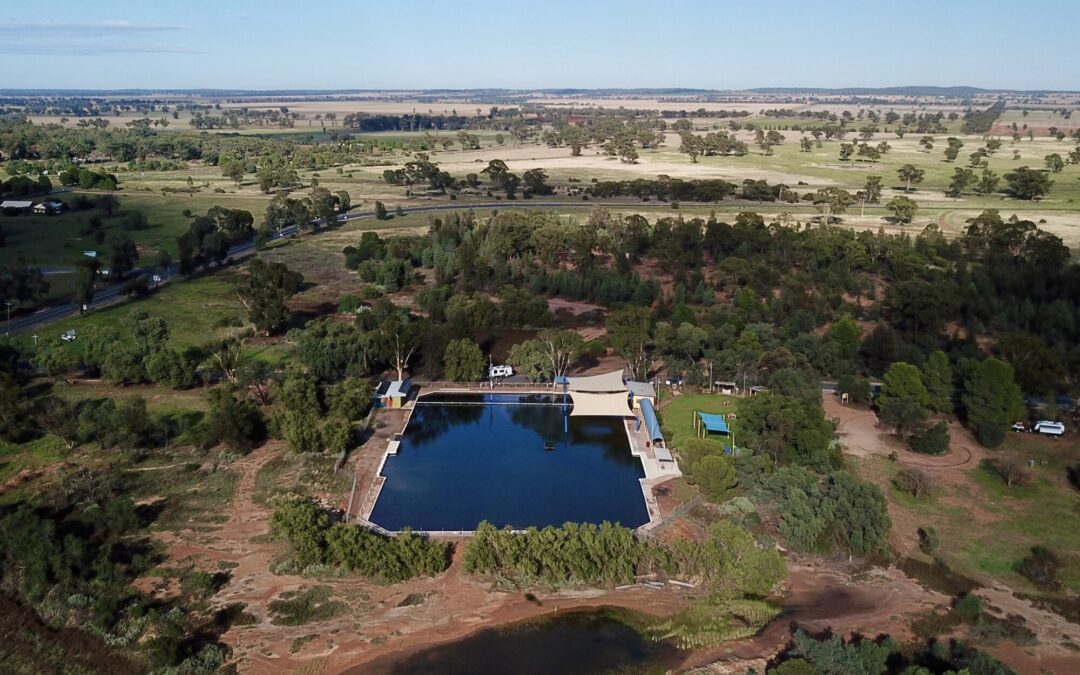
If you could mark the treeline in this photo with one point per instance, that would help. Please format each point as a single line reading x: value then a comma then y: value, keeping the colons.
x: 980, y: 122
x: 672, y: 189
x: 24, y: 186
x: 881, y: 655
x: 728, y: 560
x: 314, y: 541
x: 410, y: 122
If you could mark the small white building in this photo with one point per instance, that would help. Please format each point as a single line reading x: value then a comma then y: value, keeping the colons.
x: 18, y: 205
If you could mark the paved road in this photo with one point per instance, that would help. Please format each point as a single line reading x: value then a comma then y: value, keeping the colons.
x: 114, y: 293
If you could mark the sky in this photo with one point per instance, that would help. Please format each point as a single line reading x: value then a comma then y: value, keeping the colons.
x: 460, y: 44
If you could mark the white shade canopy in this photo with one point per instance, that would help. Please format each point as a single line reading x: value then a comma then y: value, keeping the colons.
x: 605, y: 383
x: 600, y: 405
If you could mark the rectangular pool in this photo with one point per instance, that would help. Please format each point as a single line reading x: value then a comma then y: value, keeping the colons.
x: 465, y: 458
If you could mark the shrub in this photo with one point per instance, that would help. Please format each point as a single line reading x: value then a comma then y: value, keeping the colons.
x: 715, y: 475
x: 913, y: 481
x: 1009, y: 470
x: 969, y: 607
x: 928, y: 540
x: 349, y: 304
x: 1040, y: 567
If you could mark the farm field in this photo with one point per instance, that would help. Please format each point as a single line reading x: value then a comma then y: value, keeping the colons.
x: 241, y: 407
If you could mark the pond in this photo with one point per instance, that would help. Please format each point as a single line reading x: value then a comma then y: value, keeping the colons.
x: 572, y: 643
x: 510, y: 459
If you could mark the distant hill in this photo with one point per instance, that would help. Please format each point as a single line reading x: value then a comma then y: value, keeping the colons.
x: 895, y: 91
x: 953, y: 92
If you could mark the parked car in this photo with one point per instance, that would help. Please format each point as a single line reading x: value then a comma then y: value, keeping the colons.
x: 1048, y: 428
x: 1019, y: 427
x: 68, y: 335
x: 500, y: 371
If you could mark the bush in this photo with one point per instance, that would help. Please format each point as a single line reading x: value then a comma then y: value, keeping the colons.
x: 1040, y: 567
x: 928, y: 540
x: 932, y: 440
x: 913, y: 481
x: 595, y: 348
x: 304, y: 526
x: 349, y: 304
x: 1011, y: 471
x: 715, y: 475
x: 969, y: 607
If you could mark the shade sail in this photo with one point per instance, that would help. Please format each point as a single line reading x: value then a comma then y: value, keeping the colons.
x: 714, y: 423
x: 606, y: 383
x: 652, y: 425
x: 600, y: 405
x: 641, y: 389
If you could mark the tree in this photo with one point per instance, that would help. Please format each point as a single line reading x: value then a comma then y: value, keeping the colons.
x: 953, y: 150
x: 988, y: 182
x: 832, y: 201
x: 715, y: 475
x: 913, y: 481
x: 1055, y: 163
x: 1027, y: 183
x: 265, y: 290
x: 910, y: 174
x: 234, y: 422
x: 903, y: 401
x: 932, y: 440
x: 85, y: 275
x: 938, y: 379
x: 872, y: 190
x: 463, y: 361
x: 903, y: 208
x: 380, y: 211
x: 992, y: 401
x: 961, y: 179
x: 550, y: 354
x: 535, y: 181
x: 861, y: 520
x: 629, y: 335
x: 349, y: 399
x: 400, y: 338
x: 300, y: 429
x: 692, y: 145
x: 323, y: 207
x: 123, y: 255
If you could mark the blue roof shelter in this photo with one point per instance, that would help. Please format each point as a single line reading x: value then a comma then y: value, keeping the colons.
x: 711, y: 423
x: 652, y: 425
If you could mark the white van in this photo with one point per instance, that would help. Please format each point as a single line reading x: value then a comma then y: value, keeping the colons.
x: 500, y: 371
x: 1049, y: 428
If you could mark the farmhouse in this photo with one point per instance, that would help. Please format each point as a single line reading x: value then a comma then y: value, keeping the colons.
x: 49, y: 208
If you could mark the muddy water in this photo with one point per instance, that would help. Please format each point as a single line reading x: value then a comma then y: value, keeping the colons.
x: 572, y: 643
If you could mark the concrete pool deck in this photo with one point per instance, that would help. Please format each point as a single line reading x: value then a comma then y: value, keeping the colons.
x: 640, y: 447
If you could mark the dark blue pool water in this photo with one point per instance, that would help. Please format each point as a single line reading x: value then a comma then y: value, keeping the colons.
x: 465, y: 458
x: 574, y: 643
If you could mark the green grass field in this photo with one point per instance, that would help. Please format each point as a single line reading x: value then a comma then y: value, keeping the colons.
x: 193, y: 309
x: 1010, y: 519
x: 677, y: 414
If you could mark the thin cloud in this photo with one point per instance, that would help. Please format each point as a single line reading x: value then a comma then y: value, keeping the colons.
x: 22, y: 49
x: 92, y: 27
x: 94, y: 38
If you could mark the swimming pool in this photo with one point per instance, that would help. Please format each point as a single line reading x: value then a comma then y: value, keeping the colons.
x: 510, y: 459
